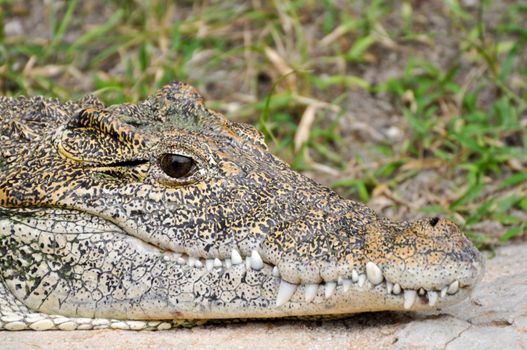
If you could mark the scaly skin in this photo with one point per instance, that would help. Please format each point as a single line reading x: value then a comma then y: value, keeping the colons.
x: 98, y: 229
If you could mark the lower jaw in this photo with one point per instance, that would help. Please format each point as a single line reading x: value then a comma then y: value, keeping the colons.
x: 209, y: 296
x: 344, y: 301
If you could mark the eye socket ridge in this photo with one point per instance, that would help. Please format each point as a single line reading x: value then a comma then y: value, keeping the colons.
x: 176, y: 165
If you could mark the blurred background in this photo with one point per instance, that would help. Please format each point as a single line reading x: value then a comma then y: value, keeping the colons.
x: 414, y: 107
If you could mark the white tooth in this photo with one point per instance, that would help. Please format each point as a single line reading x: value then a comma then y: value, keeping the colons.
x: 362, y: 279
x: 236, y: 257
x: 256, y: 260
x: 443, y: 291
x: 396, y: 289
x: 191, y: 261
x: 410, y: 296
x: 421, y: 291
x: 453, y: 287
x: 210, y: 264
x: 310, y: 292
x: 354, y: 276
x: 217, y: 262
x: 228, y: 263
x: 389, y: 287
x: 432, y: 298
x: 198, y: 264
x: 247, y: 262
x: 347, y: 284
x: 276, y: 272
x: 330, y: 289
x: 181, y: 261
x: 339, y: 280
x: 374, y: 273
x: 285, y: 292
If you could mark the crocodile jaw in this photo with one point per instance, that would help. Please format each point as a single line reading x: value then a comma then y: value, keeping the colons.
x: 111, y: 274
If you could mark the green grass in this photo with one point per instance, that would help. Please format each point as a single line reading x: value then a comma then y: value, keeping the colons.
x: 463, y: 121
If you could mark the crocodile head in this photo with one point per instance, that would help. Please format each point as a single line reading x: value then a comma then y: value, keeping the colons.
x: 167, y: 210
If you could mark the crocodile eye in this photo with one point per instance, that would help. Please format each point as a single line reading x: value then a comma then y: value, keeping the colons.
x: 177, y: 166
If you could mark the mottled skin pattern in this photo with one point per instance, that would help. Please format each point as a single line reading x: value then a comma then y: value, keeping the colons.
x: 96, y: 230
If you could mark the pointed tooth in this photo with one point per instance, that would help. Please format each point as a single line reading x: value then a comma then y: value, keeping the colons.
x: 310, y: 292
x: 276, y: 272
x: 256, y: 260
x: 236, y: 258
x: 443, y: 291
x: 228, y: 263
x: 217, y: 263
x: 285, y: 292
x: 374, y: 273
x: 453, y: 287
x: 396, y: 289
x: 410, y: 296
x: 182, y: 261
x: 354, y: 276
x: 339, y: 280
x: 198, y: 264
x: 330, y: 289
x: 389, y: 287
x: 191, y: 261
x: 347, y: 284
x: 432, y: 298
x: 421, y: 291
x: 362, y: 279
x: 247, y: 262
x: 209, y: 263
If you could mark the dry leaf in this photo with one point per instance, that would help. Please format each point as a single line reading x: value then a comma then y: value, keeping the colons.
x: 419, y: 164
x: 302, y: 133
x: 282, y: 67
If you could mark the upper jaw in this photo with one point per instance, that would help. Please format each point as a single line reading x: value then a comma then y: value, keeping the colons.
x: 407, y: 288
x: 361, y: 281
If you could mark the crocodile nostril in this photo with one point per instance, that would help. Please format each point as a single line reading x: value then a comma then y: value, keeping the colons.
x: 434, y: 221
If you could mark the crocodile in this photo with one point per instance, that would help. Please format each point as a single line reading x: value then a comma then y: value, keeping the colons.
x: 164, y: 213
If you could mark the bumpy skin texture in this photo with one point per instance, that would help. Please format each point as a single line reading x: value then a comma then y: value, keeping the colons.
x: 95, y: 232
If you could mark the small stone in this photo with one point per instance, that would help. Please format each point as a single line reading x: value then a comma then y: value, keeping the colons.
x: 120, y: 325
x: 100, y: 322
x: 137, y: 325
x: 42, y: 325
x: 15, y: 326
x: 68, y: 326
x: 84, y: 320
x: 60, y: 320
x: 164, y: 326
x: 83, y: 327
x: 13, y: 28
